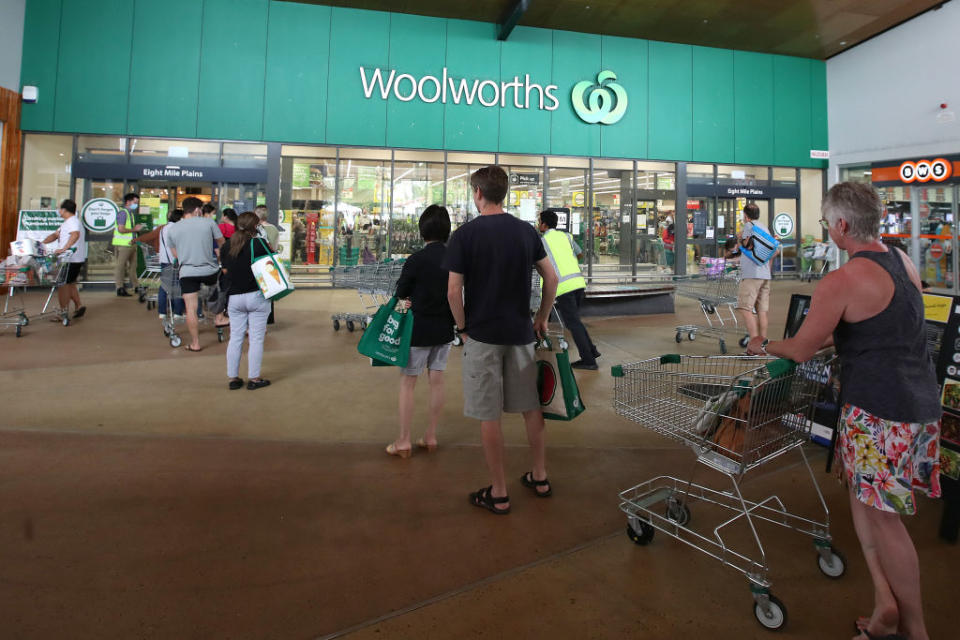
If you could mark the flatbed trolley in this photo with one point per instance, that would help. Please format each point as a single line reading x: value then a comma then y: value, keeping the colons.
x: 715, y: 287
x: 736, y: 413
x: 375, y: 284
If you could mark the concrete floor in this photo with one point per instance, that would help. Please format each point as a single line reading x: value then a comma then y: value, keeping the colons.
x: 141, y: 499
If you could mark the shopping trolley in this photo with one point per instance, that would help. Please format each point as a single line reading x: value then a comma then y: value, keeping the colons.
x: 170, y: 281
x: 19, y: 273
x: 818, y: 255
x: 150, y: 277
x: 375, y: 284
x: 736, y: 413
x: 714, y: 287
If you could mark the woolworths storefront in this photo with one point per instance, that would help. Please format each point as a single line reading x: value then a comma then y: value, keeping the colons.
x: 347, y: 123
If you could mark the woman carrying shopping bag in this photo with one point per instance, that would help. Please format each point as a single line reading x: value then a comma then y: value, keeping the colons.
x: 248, y: 308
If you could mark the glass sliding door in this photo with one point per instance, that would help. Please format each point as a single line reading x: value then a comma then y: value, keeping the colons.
x: 612, y: 216
x: 308, y: 182
x: 525, y: 197
x: 417, y: 183
x: 566, y: 189
x: 363, y: 205
x: 459, y: 194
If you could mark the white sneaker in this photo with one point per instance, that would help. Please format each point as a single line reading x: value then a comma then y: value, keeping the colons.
x: 162, y: 317
x: 179, y: 319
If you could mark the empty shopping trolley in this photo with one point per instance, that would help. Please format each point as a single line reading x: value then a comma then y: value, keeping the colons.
x: 736, y: 413
x: 715, y: 287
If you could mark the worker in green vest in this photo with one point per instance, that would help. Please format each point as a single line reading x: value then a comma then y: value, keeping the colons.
x: 124, y: 245
x: 564, y: 252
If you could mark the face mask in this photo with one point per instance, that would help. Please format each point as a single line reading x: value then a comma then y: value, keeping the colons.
x: 133, y: 207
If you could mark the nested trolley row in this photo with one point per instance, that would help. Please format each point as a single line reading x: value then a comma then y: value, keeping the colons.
x: 736, y: 413
x: 375, y: 284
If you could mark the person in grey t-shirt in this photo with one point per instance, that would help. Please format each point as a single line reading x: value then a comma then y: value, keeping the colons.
x: 753, y: 295
x: 191, y: 243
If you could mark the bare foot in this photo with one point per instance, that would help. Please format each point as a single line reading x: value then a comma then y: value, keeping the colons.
x: 883, y: 621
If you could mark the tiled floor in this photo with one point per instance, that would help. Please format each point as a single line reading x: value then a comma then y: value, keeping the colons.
x: 139, y: 498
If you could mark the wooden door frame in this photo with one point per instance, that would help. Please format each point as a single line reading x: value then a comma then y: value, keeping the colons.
x: 11, y: 147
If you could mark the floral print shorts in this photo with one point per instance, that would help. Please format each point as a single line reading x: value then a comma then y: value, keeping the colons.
x: 885, y: 461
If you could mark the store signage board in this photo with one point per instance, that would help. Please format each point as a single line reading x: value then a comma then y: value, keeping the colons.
x: 783, y: 225
x: 525, y: 179
x: 595, y: 101
x: 927, y: 172
x: 816, y: 154
x: 37, y: 224
x: 748, y: 192
x: 180, y: 173
x: 99, y: 215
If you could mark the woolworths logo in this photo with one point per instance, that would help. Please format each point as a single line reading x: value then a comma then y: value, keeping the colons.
x: 606, y: 103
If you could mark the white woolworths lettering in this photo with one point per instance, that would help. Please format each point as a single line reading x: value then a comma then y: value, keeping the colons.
x: 460, y: 90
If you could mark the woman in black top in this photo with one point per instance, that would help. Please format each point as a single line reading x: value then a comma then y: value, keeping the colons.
x: 423, y: 286
x: 248, y: 308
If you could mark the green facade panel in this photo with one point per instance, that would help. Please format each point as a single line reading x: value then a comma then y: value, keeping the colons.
x: 713, y: 96
x: 417, y: 46
x: 357, y: 39
x: 753, y: 107
x: 233, y: 57
x: 671, y: 96
x: 473, y: 51
x: 528, y: 52
x: 93, y: 72
x: 291, y: 72
x: 576, y: 58
x: 41, y: 45
x: 165, y: 72
x: 298, y: 50
x: 629, y: 59
x: 818, y: 110
x: 791, y: 111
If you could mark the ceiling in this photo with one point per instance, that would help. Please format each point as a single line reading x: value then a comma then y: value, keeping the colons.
x: 807, y: 28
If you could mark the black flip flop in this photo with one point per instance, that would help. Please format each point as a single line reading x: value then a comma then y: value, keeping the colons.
x: 484, y: 499
x: 188, y: 348
x: 79, y: 312
x: 889, y: 636
x: 528, y: 481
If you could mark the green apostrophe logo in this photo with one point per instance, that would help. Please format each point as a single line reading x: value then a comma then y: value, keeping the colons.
x: 607, y: 103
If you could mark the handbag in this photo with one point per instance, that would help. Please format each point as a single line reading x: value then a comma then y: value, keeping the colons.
x: 270, y: 274
x: 388, y: 336
x: 559, y: 394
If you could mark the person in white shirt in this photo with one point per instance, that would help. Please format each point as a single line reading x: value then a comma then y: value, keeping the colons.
x: 71, y: 240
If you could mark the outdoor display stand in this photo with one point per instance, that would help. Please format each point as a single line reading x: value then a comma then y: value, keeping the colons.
x: 943, y: 339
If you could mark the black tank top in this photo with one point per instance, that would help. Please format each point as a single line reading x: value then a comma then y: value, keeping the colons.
x: 885, y: 366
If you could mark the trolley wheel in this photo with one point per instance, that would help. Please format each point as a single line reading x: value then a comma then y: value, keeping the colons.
x: 677, y: 512
x: 833, y: 566
x: 19, y: 330
x: 336, y: 325
x: 744, y: 341
x: 220, y: 335
x: 644, y: 536
x: 679, y: 337
x: 24, y: 320
x: 350, y: 326
x: 65, y: 320
x: 775, y: 618
x: 709, y: 308
x: 723, y: 347
x: 142, y: 297
x: 175, y: 341
x: 692, y: 336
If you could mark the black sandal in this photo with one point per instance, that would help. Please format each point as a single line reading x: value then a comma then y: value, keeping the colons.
x: 484, y: 498
x: 528, y: 481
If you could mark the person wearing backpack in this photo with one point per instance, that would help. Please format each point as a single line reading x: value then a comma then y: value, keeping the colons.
x: 753, y: 296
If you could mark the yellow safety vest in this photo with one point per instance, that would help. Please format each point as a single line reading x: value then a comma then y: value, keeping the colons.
x: 559, y: 246
x: 123, y: 239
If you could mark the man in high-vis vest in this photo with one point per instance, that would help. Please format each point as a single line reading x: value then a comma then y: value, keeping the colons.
x: 125, y: 247
x: 564, y: 252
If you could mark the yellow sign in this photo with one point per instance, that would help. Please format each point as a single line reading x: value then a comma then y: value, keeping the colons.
x: 937, y: 308
x: 578, y: 198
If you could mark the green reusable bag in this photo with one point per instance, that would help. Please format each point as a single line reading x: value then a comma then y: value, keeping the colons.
x: 387, y: 337
x: 559, y: 394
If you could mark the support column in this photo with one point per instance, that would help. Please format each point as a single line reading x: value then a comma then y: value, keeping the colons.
x: 273, y: 182
x: 11, y: 147
x: 680, y: 222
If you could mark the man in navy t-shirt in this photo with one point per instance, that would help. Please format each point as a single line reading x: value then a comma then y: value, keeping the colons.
x: 491, y: 261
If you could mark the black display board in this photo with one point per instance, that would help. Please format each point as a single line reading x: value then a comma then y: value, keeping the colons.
x: 943, y: 340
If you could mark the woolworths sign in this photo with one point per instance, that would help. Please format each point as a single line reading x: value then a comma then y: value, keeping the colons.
x: 602, y: 101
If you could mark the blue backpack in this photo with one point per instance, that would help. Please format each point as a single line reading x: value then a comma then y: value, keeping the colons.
x: 761, y: 246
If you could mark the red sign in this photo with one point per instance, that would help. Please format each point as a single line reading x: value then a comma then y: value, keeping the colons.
x: 693, y: 204
x: 312, y: 218
x: 936, y: 251
x: 937, y: 170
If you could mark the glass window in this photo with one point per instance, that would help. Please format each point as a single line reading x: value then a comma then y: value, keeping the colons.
x: 742, y: 174
x: 859, y: 173
x: 363, y: 207
x: 525, y: 197
x: 459, y: 193
x: 46, y: 170
x: 656, y: 211
x: 811, y: 196
x: 110, y: 149
x: 785, y: 176
x: 700, y: 173
x: 191, y: 153
x: 308, y: 178
x: 611, y: 216
x: 566, y: 189
x: 237, y: 154
x: 935, y: 218
x: 415, y: 186
x: 784, y: 227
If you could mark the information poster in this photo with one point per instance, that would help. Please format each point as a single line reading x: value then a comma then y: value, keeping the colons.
x: 285, y: 237
x: 37, y: 224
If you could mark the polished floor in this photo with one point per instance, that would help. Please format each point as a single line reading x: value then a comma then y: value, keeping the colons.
x: 139, y: 498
